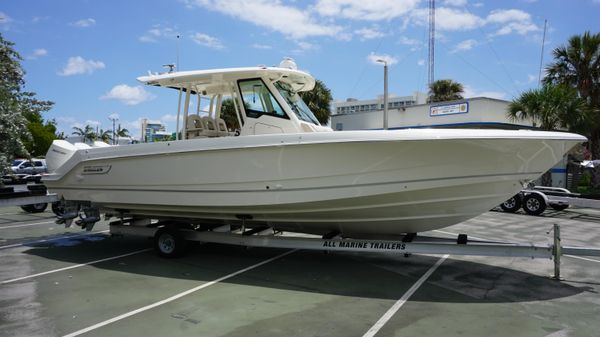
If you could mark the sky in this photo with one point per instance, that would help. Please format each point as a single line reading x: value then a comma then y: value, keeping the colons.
x: 85, y: 55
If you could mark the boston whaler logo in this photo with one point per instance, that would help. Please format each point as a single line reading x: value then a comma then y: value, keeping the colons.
x: 96, y: 169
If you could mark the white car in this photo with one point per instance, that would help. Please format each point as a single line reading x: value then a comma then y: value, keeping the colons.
x: 30, y: 167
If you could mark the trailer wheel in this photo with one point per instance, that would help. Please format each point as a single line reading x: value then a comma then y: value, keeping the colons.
x: 513, y: 204
x: 559, y: 207
x: 169, y: 243
x: 534, y: 204
x: 35, y: 208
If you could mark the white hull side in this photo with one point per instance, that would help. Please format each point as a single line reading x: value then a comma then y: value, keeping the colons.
x: 386, y: 186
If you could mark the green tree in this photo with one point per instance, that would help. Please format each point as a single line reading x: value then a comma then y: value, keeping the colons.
x: 551, y: 107
x: 577, y: 64
x: 104, y: 135
x: 87, y: 133
x: 229, y: 115
x: 15, y: 104
x: 318, y: 100
x: 42, y: 132
x: 445, y: 90
x: 122, y: 132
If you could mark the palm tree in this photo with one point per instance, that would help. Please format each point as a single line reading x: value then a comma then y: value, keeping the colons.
x: 318, y: 100
x: 445, y: 90
x: 104, y: 135
x: 578, y: 65
x: 122, y: 132
x: 551, y: 107
x: 87, y: 133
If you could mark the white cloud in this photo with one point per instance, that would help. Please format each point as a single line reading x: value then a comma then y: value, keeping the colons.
x: 37, y: 53
x: 207, y: 41
x: 421, y: 62
x: 261, y: 46
x: 457, y: 3
x: 5, y: 20
x: 517, y: 27
x: 84, y: 23
x: 373, y: 10
x: 128, y: 95
x: 78, y: 65
x: 470, y: 92
x: 368, y: 33
x: 464, y: 45
x: 287, y: 20
x: 168, y: 118
x: 385, y: 57
x: 409, y: 42
x: 303, y: 45
x: 157, y: 32
x: 113, y: 115
x: 448, y: 19
x: 478, y: 4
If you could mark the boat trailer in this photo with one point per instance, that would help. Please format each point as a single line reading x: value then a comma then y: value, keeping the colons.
x: 170, y: 242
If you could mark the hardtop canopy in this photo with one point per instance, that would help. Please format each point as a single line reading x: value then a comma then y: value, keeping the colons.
x: 210, y: 80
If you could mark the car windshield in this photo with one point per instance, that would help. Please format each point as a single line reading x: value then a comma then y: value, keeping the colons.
x: 16, y: 162
x: 296, y: 103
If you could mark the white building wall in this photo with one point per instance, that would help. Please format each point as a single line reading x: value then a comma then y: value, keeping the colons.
x: 481, y: 112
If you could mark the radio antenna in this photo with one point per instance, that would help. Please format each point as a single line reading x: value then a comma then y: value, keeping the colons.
x: 542, y: 54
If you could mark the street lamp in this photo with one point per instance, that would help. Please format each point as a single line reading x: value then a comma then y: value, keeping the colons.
x: 113, y: 118
x: 385, y: 93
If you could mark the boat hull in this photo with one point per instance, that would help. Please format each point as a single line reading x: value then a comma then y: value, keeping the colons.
x: 403, y: 182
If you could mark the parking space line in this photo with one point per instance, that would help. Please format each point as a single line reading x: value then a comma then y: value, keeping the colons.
x: 51, y: 239
x: 74, y: 266
x: 27, y: 225
x: 177, y: 296
x: 583, y: 258
x: 392, y: 311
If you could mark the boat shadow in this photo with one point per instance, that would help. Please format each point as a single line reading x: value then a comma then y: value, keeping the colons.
x: 382, y: 276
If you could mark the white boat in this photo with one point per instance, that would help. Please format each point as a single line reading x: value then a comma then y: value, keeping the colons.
x: 278, y: 167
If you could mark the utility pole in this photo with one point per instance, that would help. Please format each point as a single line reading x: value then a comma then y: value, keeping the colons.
x: 431, y: 41
x: 385, y: 93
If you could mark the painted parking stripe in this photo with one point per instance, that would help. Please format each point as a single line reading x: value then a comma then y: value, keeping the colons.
x: 74, y: 266
x: 583, y: 258
x: 392, y: 311
x: 175, y: 297
x: 51, y: 239
x: 27, y: 224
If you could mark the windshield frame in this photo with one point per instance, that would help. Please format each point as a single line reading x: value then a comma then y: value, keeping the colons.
x: 298, y: 106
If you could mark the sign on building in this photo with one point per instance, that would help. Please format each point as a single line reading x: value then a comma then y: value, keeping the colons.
x: 449, y: 109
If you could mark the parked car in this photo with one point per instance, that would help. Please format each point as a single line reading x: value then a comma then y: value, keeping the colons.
x: 31, y: 167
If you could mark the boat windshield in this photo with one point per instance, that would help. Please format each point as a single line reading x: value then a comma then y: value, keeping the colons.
x: 296, y: 103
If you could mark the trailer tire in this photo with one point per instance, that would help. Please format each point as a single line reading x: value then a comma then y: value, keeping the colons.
x: 35, y: 208
x: 513, y: 204
x: 534, y: 204
x: 169, y: 243
x: 559, y: 207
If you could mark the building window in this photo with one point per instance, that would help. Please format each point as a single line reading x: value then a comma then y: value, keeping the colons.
x: 339, y: 126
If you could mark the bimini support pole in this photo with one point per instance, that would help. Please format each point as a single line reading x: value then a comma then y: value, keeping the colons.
x: 178, y: 114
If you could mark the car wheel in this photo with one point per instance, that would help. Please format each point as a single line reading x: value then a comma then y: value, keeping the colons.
x: 35, y: 208
x: 513, y: 204
x: 534, y: 204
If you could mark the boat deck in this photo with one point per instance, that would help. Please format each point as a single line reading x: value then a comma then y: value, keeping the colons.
x: 56, y: 282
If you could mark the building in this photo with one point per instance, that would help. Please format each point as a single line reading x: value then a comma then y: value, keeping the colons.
x: 479, y: 112
x: 352, y: 105
x: 153, y: 131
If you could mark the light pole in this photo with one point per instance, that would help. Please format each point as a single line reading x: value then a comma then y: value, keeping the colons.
x: 113, y: 119
x: 385, y: 93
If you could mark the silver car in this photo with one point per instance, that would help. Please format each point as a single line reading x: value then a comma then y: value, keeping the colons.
x: 33, y: 166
